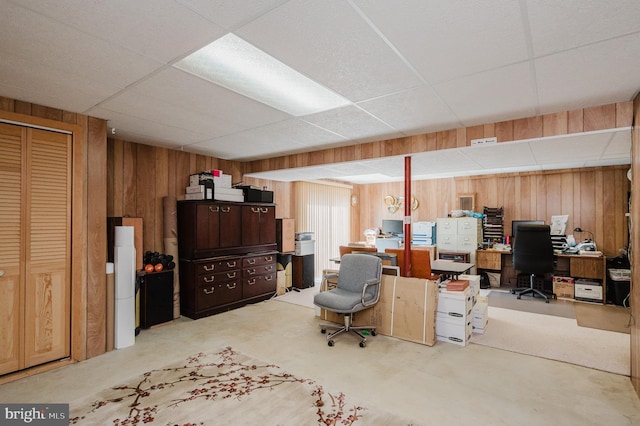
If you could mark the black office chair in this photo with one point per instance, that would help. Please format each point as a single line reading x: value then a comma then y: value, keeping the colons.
x: 533, y: 254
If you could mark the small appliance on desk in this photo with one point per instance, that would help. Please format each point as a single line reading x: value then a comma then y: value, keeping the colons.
x: 584, y: 247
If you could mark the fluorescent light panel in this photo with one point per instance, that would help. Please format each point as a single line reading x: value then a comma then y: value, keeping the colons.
x: 239, y: 66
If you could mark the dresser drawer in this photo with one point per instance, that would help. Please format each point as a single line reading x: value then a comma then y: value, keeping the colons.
x: 216, y: 265
x: 263, y: 259
x: 258, y: 270
x: 258, y: 285
x: 217, y: 278
x: 217, y: 294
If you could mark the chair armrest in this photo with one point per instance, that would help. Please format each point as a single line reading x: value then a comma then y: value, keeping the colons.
x: 325, y: 278
x: 367, y: 284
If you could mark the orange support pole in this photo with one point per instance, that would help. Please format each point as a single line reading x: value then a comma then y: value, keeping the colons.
x: 407, y: 215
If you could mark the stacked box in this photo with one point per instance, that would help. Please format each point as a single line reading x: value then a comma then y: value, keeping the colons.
x: 453, y: 317
x: 563, y: 287
x: 228, y: 194
x: 480, y: 316
x: 474, y: 284
x: 202, y: 191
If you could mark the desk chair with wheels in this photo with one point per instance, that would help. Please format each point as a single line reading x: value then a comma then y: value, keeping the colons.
x: 533, y: 255
x: 357, y: 288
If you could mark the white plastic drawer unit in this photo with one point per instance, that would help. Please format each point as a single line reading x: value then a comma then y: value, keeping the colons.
x: 588, y: 292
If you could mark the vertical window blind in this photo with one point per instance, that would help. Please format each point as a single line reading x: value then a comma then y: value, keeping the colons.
x: 325, y: 211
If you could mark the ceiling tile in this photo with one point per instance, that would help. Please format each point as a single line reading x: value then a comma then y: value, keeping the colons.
x: 50, y: 44
x: 561, y: 25
x: 190, y: 93
x: 147, y: 132
x: 152, y: 110
x: 350, y: 122
x: 418, y: 110
x: 497, y: 95
x: 445, y: 40
x: 500, y: 155
x: 593, y: 75
x: 231, y: 14
x: 330, y: 43
x: 574, y: 148
x: 166, y: 32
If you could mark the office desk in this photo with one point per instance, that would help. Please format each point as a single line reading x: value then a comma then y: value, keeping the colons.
x: 590, y: 267
x: 449, y: 268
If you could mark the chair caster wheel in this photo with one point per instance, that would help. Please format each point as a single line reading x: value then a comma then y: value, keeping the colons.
x: 330, y: 343
x: 513, y: 291
x: 546, y: 301
x: 323, y: 330
x: 518, y: 297
x: 373, y: 332
x: 363, y: 344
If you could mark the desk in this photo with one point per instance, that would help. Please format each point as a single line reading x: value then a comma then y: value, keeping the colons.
x: 447, y: 267
x: 590, y: 267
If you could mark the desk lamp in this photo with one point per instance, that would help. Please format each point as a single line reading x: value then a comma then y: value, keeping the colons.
x: 588, y: 232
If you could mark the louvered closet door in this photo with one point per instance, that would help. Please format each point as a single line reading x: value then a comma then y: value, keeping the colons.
x: 48, y: 247
x: 11, y: 288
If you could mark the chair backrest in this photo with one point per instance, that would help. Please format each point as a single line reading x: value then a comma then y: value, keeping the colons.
x: 420, y: 261
x: 348, y: 249
x: 533, y: 249
x: 356, y: 269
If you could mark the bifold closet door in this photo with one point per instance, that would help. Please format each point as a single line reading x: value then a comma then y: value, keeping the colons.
x: 35, y: 230
x: 11, y: 265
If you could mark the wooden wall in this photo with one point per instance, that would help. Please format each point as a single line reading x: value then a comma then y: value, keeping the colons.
x: 635, y: 242
x: 140, y: 176
x: 561, y: 123
x: 594, y: 198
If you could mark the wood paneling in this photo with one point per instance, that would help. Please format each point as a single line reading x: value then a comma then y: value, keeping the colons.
x: 566, y: 122
x: 579, y: 193
x: 635, y: 260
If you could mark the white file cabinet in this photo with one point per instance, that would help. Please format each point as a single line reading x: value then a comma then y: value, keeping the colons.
x: 462, y: 234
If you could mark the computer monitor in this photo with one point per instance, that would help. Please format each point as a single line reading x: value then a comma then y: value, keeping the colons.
x: 392, y: 227
x: 516, y: 223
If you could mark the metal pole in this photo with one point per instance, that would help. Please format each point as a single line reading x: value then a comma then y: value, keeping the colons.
x: 407, y: 215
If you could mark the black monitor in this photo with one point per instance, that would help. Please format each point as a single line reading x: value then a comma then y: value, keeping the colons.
x: 516, y: 223
x: 392, y: 227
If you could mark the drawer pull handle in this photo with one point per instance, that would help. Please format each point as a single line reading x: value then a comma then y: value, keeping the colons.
x: 251, y: 281
x: 255, y: 209
x: 226, y: 209
x: 268, y: 278
x: 230, y: 287
x: 264, y: 210
x: 209, y: 268
x: 268, y: 268
x: 214, y: 209
x: 231, y: 264
x: 268, y: 258
x: 251, y: 261
x: 231, y: 275
x: 209, y: 279
x: 455, y: 314
x: 209, y: 291
x: 251, y: 271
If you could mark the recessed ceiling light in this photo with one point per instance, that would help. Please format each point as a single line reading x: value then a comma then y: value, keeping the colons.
x: 239, y: 66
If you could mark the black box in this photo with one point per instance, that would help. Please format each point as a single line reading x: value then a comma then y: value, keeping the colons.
x: 255, y: 195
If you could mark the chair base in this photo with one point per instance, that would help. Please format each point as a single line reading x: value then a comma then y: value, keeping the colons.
x: 347, y: 327
x: 523, y: 291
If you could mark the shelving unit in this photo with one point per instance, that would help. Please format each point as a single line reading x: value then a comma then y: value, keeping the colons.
x: 493, y: 223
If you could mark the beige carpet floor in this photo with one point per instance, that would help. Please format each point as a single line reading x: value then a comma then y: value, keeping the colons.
x: 556, y: 338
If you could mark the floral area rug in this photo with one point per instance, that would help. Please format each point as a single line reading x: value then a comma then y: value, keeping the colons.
x: 224, y: 388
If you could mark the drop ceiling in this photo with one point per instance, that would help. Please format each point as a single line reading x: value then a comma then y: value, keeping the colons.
x: 405, y: 68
